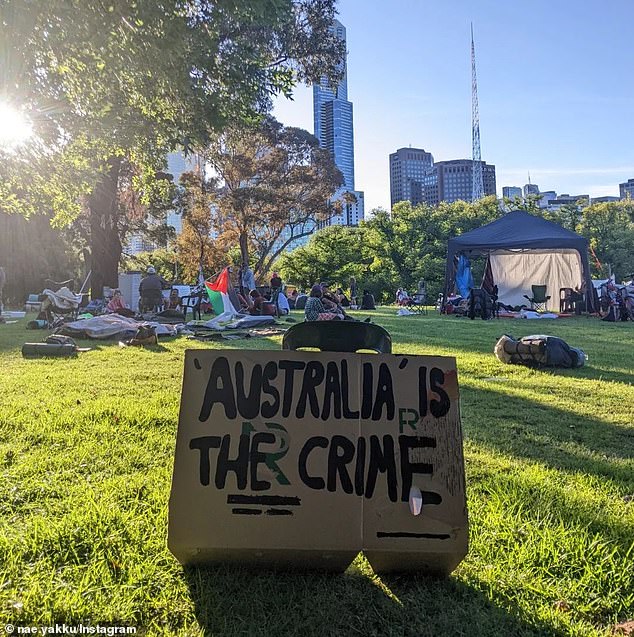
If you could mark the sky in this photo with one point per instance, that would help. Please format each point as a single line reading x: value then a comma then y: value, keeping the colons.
x: 555, y: 88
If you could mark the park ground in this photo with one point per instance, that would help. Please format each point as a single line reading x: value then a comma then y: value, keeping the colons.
x: 86, y: 452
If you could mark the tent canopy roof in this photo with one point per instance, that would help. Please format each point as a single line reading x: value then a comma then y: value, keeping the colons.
x: 517, y: 229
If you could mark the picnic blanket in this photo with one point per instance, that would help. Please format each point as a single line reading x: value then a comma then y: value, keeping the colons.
x: 112, y: 326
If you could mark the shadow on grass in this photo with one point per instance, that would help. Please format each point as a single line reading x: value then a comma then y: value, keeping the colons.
x: 558, y: 438
x: 233, y: 601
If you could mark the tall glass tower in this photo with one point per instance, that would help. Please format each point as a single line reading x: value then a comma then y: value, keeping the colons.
x: 332, y: 114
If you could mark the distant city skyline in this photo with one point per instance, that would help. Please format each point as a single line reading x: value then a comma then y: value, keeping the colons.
x: 554, y: 98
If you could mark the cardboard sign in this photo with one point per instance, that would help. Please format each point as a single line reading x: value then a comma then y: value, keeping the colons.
x: 305, y: 458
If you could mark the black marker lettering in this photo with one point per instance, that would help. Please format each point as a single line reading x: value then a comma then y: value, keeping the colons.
x: 366, y: 397
x: 332, y: 390
x: 257, y: 457
x: 309, y: 445
x: 440, y: 407
x: 345, y: 393
x: 359, y: 469
x: 313, y: 376
x: 270, y: 409
x: 204, y: 444
x: 408, y: 469
x: 289, y: 367
x: 239, y: 466
x: 382, y: 460
x: 248, y: 404
x: 384, y: 394
x: 215, y: 394
x: 422, y: 391
x: 337, y: 463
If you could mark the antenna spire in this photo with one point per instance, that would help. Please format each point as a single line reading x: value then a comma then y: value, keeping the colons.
x: 478, y: 185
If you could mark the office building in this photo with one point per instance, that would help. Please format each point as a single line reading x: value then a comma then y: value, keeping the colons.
x: 545, y: 197
x: 453, y: 181
x: 407, y: 172
x: 511, y: 192
x: 531, y: 189
x: 604, y: 199
x: 333, y: 126
x: 581, y: 201
x: 626, y: 189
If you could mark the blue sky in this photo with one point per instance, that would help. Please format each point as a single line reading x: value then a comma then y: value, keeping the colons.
x: 555, y: 84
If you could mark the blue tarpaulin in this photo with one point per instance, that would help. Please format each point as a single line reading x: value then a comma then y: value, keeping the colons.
x: 464, y: 277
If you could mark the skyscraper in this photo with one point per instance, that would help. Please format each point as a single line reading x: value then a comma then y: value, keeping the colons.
x: 332, y: 114
x: 453, y: 181
x: 407, y: 170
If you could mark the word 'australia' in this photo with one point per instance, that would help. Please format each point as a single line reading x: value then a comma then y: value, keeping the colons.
x: 293, y: 388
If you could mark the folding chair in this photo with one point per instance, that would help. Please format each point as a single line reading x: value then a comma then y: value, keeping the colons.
x: 192, y: 302
x: 418, y: 303
x: 539, y: 299
x: 338, y: 336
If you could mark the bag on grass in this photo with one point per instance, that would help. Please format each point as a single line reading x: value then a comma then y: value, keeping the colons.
x: 538, y: 351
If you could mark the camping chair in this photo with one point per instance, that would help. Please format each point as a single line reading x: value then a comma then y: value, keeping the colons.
x: 192, y: 302
x: 539, y: 298
x: 60, y: 306
x: 417, y: 303
x: 338, y: 336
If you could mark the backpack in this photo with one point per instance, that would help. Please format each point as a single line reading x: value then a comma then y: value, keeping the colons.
x: 538, y: 351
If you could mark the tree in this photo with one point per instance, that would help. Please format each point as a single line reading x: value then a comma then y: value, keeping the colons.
x: 113, y: 84
x: 275, y: 185
x: 205, y: 240
x: 609, y: 228
x: 332, y: 254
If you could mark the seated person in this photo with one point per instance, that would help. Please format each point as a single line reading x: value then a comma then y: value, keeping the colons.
x: 367, y: 301
x: 402, y: 297
x: 342, y: 298
x: 276, y: 282
x: 331, y: 302
x: 259, y: 305
x: 315, y: 310
x: 117, y: 305
x: 283, y: 305
x: 292, y: 298
x: 151, y: 291
x: 173, y: 301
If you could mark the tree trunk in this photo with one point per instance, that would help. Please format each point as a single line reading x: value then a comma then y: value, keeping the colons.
x: 105, y: 243
x: 244, y: 247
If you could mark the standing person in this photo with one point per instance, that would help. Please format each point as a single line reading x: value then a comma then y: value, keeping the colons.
x: 353, y: 291
x: 3, y: 280
x: 247, y: 278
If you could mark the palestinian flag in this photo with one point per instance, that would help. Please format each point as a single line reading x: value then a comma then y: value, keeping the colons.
x: 218, y: 293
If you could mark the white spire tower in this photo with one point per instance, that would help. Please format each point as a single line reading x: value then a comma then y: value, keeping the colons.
x: 478, y: 185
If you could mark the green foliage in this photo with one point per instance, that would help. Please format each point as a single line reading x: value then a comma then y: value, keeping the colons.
x: 390, y: 250
x: 165, y: 261
x: 333, y: 254
x: 86, y: 450
x: 610, y: 229
x: 275, y: 185
x: 112, y: 85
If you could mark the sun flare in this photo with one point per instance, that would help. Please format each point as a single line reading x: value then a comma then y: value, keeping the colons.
x: 15, y: 128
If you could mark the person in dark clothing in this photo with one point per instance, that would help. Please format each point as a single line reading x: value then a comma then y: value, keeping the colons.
x: 151, y: 290
x: 367, y: 302
x: 276, y: 282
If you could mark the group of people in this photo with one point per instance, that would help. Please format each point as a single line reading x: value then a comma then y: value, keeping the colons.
x: 324, y: 305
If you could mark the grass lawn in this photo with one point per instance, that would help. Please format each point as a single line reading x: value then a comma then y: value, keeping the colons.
x: 86, y: 449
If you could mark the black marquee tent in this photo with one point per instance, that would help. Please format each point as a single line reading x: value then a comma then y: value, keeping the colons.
x: 525, y: 250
